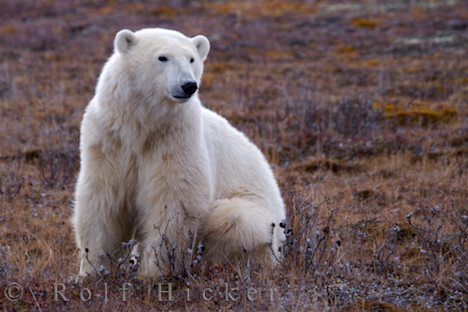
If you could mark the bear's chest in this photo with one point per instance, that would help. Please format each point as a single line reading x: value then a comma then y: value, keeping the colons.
x: 168, y: 179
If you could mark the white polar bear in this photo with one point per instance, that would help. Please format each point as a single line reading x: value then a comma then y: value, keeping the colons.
x: 159, y: 167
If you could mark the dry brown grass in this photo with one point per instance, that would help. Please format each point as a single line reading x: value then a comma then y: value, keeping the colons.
x: 361, y: 108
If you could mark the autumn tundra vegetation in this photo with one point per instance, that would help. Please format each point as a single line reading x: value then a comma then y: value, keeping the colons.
x: 360, y: 107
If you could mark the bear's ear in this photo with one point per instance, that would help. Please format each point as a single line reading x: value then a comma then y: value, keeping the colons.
x: 203, y: 46
x: 124, y: 40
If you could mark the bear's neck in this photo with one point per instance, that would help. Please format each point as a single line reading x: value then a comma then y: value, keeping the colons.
x: 140, y: 120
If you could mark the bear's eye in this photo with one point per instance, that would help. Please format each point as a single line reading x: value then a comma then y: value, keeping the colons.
x: 163, y: 58
x: 191, y: 60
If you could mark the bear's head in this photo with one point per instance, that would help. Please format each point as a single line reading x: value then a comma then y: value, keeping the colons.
x: 162, y: 64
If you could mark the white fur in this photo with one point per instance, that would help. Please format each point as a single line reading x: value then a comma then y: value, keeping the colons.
x: 158, y: 168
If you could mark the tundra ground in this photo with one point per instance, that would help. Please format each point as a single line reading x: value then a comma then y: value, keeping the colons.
x: 361, y: 107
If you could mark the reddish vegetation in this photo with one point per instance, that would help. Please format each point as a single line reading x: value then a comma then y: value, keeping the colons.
x: 360, y: 107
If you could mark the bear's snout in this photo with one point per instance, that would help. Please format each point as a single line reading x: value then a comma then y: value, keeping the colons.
x: 189, y: 88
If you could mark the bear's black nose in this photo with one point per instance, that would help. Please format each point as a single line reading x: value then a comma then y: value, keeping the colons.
x: 189, y: 87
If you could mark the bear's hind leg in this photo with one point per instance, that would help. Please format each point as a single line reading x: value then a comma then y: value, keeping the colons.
x: 237, y: 226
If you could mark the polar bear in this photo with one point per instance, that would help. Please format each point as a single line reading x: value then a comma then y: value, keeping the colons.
x: 159, y: 167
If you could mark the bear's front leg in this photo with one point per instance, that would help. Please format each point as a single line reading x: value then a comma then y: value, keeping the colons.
x: 94, y: 241
x: 99, y: 218
x: 168, y: 236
